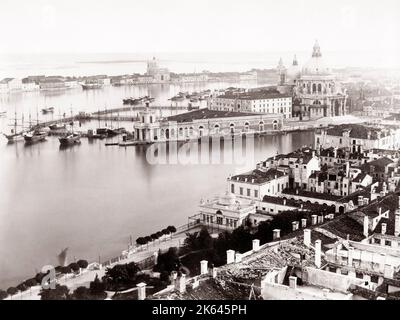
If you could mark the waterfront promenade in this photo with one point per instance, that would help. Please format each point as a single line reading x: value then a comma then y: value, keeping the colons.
x: 137, y: 254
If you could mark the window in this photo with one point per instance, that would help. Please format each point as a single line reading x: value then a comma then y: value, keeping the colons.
x: 219, y: 220
x: 232, y: 188
x: 248, y: 192
x: 241, y: 191
x: 388, y: 243
x: 256, y: 193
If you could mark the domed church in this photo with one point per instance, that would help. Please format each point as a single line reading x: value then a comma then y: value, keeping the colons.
x: 315, y: 88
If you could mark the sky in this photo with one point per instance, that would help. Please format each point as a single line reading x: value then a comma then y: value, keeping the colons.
x: 88, y: 26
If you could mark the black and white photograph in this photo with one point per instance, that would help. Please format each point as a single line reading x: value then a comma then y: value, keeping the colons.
x: 213, y: 150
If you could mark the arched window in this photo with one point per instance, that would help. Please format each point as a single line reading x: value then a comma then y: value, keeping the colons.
x: 314, y: 88
x: 319, y: 87
x: 232, y: 127
x: 216, y: 128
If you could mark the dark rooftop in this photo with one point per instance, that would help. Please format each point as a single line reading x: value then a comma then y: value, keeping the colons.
x: 255, y: 95
x: 207, y: 114
x: 357, y: 131
x: 259, y: 176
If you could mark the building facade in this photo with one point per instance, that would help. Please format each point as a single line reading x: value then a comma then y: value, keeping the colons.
x: 315, y: 88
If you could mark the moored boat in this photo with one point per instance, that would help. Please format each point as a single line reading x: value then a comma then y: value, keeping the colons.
x: 48, y: 110
x: 35, y: 136
x: 57, y: 126
x: 70, y: 138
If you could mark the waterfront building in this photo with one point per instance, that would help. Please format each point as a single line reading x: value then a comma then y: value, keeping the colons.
x: 226, y: 212
x: 315, y: 88
x: 248, y: 76
x: 158, y: 75
x: 357, y: 137
x: 52, y: 84
x: 8, y: 85
x: 260, y: 101
x: 200, y: 123
x: 29, y: 85
x: 258, y: 183
x: 193, y: 77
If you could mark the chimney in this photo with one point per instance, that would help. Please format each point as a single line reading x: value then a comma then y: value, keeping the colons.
x: 360, y: 201
x: 398, y: 203
x: 295, y: 225
x: 182, y: 283
x: 214, y: 272
x: 335, y: 152
x: 366, y: 226
x: 350, y: 255
x: 383, y: 226
x: 173, y: 276
x: 307, y: 237
x: 397, y: 222
x: 256, y: 245
x: 230, y: 256
x: 203, y: 267
x: 366, y: 201
x: 314, y: 219
x: 318, y: 253
x: 238, y: 257
x: 388, y: 271
x: 303, y: 223
x: 297, y: 191
x: 252, y: 180
x: 141, y: 289
x: 293, y: 282
x: 347, y: 169
x: 276, y: 234
x: 380, y: 210
x: 284, y: 202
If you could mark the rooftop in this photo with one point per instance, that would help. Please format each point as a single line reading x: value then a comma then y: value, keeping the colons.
x: 255, y: 95
x: 258, y: 176
x: 206, y: 113
x: 357, y: 131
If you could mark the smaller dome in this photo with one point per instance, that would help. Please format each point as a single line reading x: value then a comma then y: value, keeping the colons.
x: 316, y: 65
x: 228, y: 199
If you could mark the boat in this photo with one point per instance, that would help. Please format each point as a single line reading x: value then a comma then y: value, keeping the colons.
x: 48, y: 110
x: 57, y: 126
x: 88, y: 85
x: 70, y: 138
x: 35, y: 136
x: 3, y: 113
x: 14, y: 136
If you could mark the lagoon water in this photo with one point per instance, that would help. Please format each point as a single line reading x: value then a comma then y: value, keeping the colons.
x: 92, y: 198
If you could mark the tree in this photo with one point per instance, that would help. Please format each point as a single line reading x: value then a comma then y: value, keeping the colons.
x: 141, y: 241
x: 97, y: 288
x: 65, y: 270
x: 154, y: 236
x: 12, y: 290
x: 31, y: 282
x: 159, y: 234
x: 3, y: 294
x: 121, y: 276
x: 82, y: 264
x: 168, y: 261
x: 22, y: 287
x: 74, y: 266
x: 171, y: 229
x: 81, y: 293
x: 59, y: 293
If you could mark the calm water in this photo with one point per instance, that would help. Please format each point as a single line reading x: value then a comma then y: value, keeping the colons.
x: 90, y: 197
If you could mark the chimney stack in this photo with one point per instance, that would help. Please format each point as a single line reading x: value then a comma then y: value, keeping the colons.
x: 141, y: 289
x: 307, y: 237
x: 203, y: 267
x: 284, y: 202
x: 295, y: 225
x: 230, y: 256
x: 397, y: 222
x: 318, y: 253
x: 182, y: 283
x: 314, y: 218
x: 366, y: 226
x: 360, y: 201
x: 238, y: 257
x: 383, y: 226
x: 276, y: 234
x: 256, y: 245
x: 350, y: 255
x: 293, y: 282
x: 303, y: 223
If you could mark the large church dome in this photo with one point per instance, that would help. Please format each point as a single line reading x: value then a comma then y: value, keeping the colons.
x: 316, y: 65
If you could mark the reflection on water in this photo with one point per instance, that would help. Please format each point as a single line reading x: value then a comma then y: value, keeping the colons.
x: 91, y: 198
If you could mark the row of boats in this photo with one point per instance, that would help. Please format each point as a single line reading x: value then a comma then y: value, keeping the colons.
x: 193, y: 97
x: 136, y: 101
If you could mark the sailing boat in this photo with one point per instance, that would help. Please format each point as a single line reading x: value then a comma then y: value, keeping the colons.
x: 15, y: 135
x: 58, y: 126
x: 71, y: 137
x: 36, y: 134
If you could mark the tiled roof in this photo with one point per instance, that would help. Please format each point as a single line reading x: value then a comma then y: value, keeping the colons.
x: 380, y: 163
x: 206, y: 114
x: 357, y: 131
x: 309, y: 194
x: 259, y: 176
x: 254, y: 95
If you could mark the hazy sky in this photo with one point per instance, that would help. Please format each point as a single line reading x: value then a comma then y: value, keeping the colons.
x: 200, y: 25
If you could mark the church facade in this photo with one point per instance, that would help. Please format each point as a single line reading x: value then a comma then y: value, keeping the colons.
x: 315, y: 89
